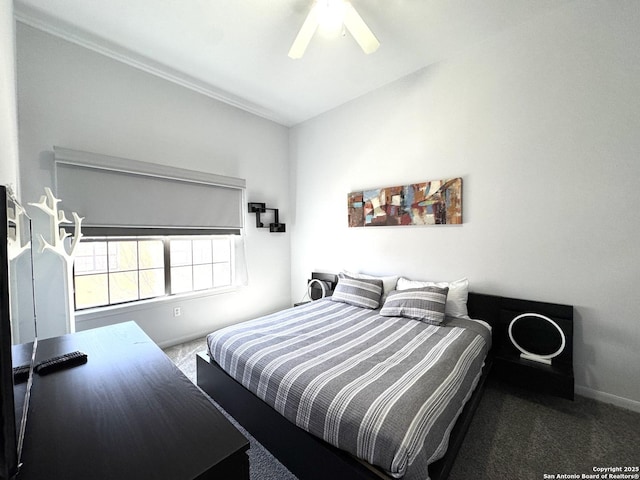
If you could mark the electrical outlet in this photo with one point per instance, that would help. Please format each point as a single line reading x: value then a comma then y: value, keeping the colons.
x: 177, y: 311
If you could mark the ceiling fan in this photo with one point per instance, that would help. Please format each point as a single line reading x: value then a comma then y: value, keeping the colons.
x: 331, y: 14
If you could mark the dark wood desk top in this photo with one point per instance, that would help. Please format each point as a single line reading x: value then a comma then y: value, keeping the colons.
x: 128, y: 413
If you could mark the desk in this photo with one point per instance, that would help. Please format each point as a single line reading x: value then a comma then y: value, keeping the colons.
x: 128, y: 413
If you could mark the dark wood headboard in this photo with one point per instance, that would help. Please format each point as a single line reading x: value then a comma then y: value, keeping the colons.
x: 330, y: 279
x: 499, y: 311
x: 487, y: 307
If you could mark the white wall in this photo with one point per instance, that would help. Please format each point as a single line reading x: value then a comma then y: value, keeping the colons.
x: 542, y: 123
x: 8, y: 118
x: 72, y: 97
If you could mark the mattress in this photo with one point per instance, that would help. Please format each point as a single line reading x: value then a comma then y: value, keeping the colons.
x: 385, y: 389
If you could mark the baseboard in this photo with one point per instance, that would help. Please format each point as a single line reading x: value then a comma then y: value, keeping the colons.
x: 184, y: 339
x: 622, y: 402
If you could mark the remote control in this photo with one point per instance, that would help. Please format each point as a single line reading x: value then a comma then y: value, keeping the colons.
x: 21, y: 373
x: 60, y: 362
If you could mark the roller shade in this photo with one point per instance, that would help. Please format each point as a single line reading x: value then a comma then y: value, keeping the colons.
x: 144, y: 198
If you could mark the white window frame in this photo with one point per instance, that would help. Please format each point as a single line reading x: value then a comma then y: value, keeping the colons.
x: 88, y: 312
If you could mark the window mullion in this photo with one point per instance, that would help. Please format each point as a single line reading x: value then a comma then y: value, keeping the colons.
x: 109, y: 272
x: 193, y: 269
x: 138, y: 266
x: 213, y: 280
x: 167, y: 265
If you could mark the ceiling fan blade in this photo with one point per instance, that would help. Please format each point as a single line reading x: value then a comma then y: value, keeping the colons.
x: 361, y: 33
x: 304, y: 35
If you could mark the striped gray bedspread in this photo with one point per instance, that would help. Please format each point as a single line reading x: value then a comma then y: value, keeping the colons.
x: 386, y: 389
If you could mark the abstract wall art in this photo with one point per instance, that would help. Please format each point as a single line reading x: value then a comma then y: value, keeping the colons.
x: 438, y: 202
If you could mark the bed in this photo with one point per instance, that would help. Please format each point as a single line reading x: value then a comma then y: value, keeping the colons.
x: 271, y: 405
x: 310, y: 457
x: 322, y: 386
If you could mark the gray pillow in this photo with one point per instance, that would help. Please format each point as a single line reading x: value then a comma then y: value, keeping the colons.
x: 425, y: 304
x: 359, y: 292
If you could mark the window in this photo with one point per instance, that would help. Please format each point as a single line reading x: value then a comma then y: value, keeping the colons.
x: 111, y: 271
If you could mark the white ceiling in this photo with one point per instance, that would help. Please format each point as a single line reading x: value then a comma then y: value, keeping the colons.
x: 236, y: 50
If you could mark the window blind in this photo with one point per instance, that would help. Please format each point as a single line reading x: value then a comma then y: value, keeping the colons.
x: 141, y: 198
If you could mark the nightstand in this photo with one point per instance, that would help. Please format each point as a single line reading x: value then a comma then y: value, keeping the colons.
x: 556, y: 378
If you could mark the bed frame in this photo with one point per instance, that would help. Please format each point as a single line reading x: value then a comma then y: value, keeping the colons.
x: 310, y: 458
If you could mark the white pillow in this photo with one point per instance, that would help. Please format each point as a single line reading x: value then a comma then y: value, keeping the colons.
x: 388, y: 282
x: 456, y: 299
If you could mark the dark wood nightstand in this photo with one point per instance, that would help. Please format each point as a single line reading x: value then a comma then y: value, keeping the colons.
x: 556, y: 378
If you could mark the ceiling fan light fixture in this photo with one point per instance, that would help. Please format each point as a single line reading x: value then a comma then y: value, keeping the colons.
x: 334, y: 15
x: 331, y: 14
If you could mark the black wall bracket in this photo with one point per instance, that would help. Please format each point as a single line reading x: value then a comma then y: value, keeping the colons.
x: 258, y: 208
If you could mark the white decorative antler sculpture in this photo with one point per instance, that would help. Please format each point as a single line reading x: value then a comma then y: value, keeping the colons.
x: 49, y: 205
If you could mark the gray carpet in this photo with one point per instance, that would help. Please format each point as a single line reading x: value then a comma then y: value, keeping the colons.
x: 515, y: 434
x: 263, y: 465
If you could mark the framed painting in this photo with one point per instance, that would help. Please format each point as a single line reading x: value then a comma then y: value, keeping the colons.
x: 437, y: 202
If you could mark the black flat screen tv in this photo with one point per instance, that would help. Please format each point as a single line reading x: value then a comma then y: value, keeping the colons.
x: 18, y: 338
